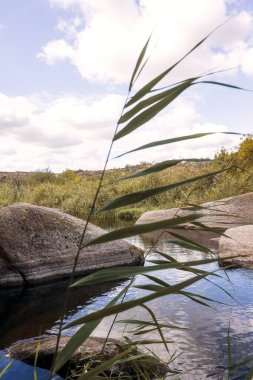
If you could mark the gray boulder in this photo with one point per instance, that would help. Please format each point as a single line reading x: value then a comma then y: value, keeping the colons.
x: 238, y: 243
x: 39, y: 244
x: 223, y: 214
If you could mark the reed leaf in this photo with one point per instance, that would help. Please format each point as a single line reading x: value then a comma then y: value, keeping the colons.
x: 204, y: 227
x: 249, y: 374
x: 106, y: 312
x: 174, y: 140
x: 105, y: 365
x: 110, y: 274
x: 166, y: 256
x: 81, y: 335
x: 153, y: 99
x: 191, y: 242
x: 163, y: 283
x: 143, y: 332
x: 202, y: 303
x: 150, y: 85
x: 5, y: 369
x: 152, y: 111
x: 150, y: 323
x: 139, y: 229
x: 241, y: 363
x: 138, y: 63
x: 149, y: 287
x: 164, y: 165
x: 202, y: 297
x: 224, y: 85
x: 159, y: 329
x: 186, y: 245
x: 139, y: 196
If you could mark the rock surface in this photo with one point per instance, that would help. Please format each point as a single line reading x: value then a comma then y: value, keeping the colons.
x: 39, y: 244
x: 223, y: 214
x: 238, y: 243
x: 92, y: 350
x: 26, y: 350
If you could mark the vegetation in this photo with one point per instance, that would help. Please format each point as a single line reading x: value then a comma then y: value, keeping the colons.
x: 73, y: 191
x: 149, y: 188
x: 160, y: 186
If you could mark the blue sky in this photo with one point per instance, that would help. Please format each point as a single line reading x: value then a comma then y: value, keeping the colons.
x: 65, y: 67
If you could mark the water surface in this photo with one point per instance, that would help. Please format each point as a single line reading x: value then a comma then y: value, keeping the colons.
x: 203, y: 349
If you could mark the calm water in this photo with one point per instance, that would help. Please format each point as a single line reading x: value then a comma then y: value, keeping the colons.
x: 203, y: 348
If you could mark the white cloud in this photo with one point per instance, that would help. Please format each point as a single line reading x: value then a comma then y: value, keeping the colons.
x: 104, y: 48
x: 56, y: 51
x: 102, y: 40
x: 75, y: 132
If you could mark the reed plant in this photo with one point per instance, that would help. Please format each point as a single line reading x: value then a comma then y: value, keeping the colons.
x: 141, y: 107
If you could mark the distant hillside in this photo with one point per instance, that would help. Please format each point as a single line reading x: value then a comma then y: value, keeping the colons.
x: 95, y: 174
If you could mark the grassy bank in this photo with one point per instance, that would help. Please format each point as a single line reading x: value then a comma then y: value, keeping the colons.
x: 73, y: 191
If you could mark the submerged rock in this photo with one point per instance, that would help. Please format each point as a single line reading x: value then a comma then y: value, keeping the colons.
x: 92, y: 350
x: 238, y: 243
x: 222, y: 214
x: 25, y: 351
x: 39, y: 244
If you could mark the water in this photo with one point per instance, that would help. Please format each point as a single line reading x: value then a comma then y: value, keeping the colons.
x: 203, y: 349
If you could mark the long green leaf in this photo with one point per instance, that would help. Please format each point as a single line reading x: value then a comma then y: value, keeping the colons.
x: 197, y: 300
x: 149, y: 287
x: 105, y: 365
x: 157, y: 326
x: 195, y: 295
x: 6, y: 368
x: 138, y: 63
x: 224, y: 85
x: 164, y: 165
x: 81, y: 335
x: 106, y: 312
x: 174, y: 140
x: 150, y: 323
x: 163, y: 283
x: 204, y: 227
x: 143, y: 331
x: 152, y: 111
x: 229, y: 348
x: 139, y: 196
x: 190, y: 241
x: 105, y: 275
x: 249, y: 374
x: 186, y: 245
x: 144, y: 90
x: 152, y: 99
x: 139, y: 229
x: 35, y: 377
x: 241, y: 363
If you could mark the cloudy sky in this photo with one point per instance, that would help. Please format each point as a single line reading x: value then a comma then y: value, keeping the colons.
x: 65, y: 67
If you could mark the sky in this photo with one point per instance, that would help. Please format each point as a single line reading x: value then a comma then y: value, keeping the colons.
x: 66, y: 64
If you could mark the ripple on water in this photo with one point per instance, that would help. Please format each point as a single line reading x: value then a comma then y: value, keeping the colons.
x: 203, y: 348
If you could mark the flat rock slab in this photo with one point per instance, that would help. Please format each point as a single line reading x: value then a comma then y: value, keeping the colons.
x: 222, y: 214
x: 238, y: 243
x: 39, y: 244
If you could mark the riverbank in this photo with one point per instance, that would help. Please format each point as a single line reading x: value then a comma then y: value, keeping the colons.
x: 73, y: 191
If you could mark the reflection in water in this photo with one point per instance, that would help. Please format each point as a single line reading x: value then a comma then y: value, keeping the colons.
x: 203, y: 348
x: 29, y: 312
